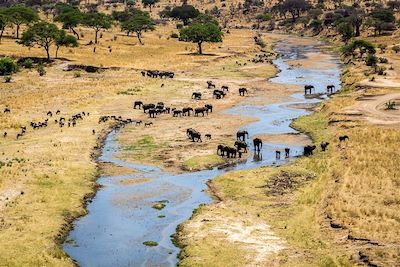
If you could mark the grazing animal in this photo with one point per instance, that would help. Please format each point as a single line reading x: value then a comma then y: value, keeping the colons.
x: 7, y: 110
x: 138, y: 122
x: 257, y: 143
x: 225, y: 88
x: 147, y: 107
x: 308, y: 150
x: 162, y: 85
x: 5, y: 134
x: 242, y: 91
x: 242, y: 135
x: 50, y: 114
x: 177, y: 113
x: 231, y: 152
x: 196, y: 95
x: 277, y: 154
x: 143, y: 73
x: 137, y: 104
x: 343, y: 138
x: 152, y: 113
x: 197, y: 136
x: 208, y: 136
x: 241, y: 144
x: 58, y: 112
x: 221, y: 150
x: 209, y: 107
x: 93, y: 132
x: 218, y: 94
x: 210, y: 85
x: 287, y: 152
x: 19, y: 135
x: 202, y: 110
x: 148, y: 124
x: 308, y: 88
x: 186, y: 111
x: 324, y: 146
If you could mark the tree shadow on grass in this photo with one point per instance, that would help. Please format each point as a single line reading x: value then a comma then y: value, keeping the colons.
x: 197, y: 54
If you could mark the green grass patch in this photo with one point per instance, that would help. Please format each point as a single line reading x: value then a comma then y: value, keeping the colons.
x: 202, y: 162
x: 150, y: 243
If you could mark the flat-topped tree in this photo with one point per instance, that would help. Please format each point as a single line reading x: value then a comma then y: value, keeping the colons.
x: 43, y: 35
x: 70, y: 19
x: 4, y: 21
x: 138, y: 23
x: 184, y: 13
x: 149, y: 3
x: 66, y: 40
x: 20, y: 15
x: 203, y: 29
x: 97, y: 21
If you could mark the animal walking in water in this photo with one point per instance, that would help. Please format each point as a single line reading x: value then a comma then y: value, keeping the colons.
x: 257, y: 143
x: 277, y: 154
x: 287, y: 152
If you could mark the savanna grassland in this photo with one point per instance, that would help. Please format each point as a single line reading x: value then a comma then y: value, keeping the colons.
x: 46, y: 174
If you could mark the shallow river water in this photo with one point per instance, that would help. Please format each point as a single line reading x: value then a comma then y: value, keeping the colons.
x: 121, y: 216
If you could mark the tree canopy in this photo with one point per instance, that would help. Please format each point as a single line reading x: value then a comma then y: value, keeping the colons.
x: 294, y: 7
x: 44, y: 35
x: 149, y: 3
x: 184, y: 13
x: 97, y: 21
x: 139, y: 22
x: 70, y: 19
x: 19, y: 15
x: 64, y: 39
x: 200, y: 32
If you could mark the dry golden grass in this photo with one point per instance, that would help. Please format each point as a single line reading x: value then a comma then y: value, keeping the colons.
x: 53, y: 167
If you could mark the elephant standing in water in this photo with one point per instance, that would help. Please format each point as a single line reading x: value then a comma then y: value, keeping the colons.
x: 257, y: 142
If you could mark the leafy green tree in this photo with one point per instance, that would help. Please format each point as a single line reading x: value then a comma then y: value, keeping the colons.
x: 7, y: 66
x: 380, y: 20
x: 43, y: 35
x: 294, y: 7
x: 362, y: 45
x: 20, y: 15
x: 345, y: 29
x: 139, y: 23
x: 262, y: 17
x: 4, y: 21
x: 64, y: 39
x: 70, y: 19
x: 184, y: 13
x: 97, y: 21
x: 201, y: 32
x: 149, y: 3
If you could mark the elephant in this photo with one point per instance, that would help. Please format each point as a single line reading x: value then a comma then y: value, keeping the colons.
x: 241, y: 144
x: 177, y: 113
x: 242, y: 135
x: 202, y: 110
x: 330, y: 89
x: 196, y: 95
x: 209, y: 107
x: 186, y: 111
x: 147, y: 107
x: 152, y: 113
x: 308, y: 88
x: 308, y: 150
x: 196, y: 137
x: 277, y: 154
x: 287, y: 152
x: 137, y: 104
x: 221, y: 150
x: 242, y: 91
x: 225, y: 88
x: 257, y: 142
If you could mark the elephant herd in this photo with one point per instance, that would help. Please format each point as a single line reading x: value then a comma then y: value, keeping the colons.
x: 158, y: 74
x: 153, y: 110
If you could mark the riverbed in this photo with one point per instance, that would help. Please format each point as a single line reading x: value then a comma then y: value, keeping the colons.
x: 120, y: 218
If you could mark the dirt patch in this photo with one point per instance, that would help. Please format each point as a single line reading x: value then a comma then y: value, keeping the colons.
x: 109, y: 169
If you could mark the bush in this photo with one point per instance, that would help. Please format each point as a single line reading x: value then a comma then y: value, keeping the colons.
x: 371, y: 60
x: 179, y: 26
x: 28, y: 63
x: 259, y: 42
x: 174, y: 35
x: 382, y: 47
x: 77, y: 74
x: 391, y: 105
x: 383, y: 60
x: 7, y: 66
x: 380, y: 70
x: 41, y: 70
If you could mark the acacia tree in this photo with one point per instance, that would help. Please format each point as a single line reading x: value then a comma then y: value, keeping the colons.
x: 70, y: 20
x: 139, y: 22
x: 43, y: 35
x: 97, y: 21
x: 294, y: 7
x: 20, y: 15
x: 64, y: 39
x: 149, y: 3
x: 381, y: 19
x: 200, y: 31
x: 4, y: 21
x: 184, y: 13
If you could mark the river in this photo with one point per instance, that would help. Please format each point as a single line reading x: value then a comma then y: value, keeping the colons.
x: 121, y: 217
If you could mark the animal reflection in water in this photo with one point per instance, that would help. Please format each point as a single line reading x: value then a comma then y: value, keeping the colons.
x: 257, y: 156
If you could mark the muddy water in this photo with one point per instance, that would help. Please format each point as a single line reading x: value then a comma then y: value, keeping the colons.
x: 121, y: 217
